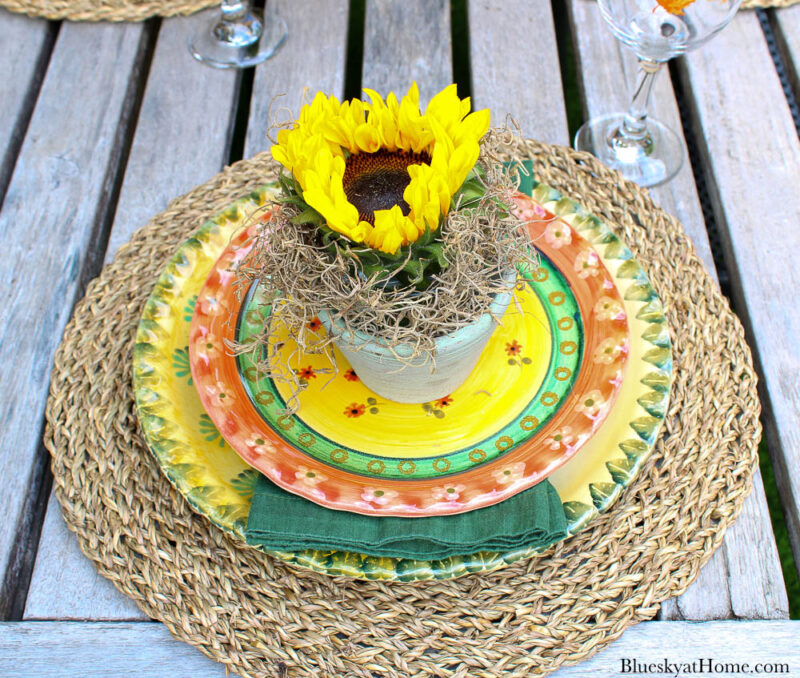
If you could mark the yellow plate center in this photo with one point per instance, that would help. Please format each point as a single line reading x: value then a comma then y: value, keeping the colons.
x: 506, y: 378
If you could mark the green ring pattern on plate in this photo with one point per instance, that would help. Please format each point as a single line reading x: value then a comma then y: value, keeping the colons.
x: 555, y: 387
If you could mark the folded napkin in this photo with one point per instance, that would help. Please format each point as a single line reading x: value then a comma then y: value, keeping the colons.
x: 282, y: 521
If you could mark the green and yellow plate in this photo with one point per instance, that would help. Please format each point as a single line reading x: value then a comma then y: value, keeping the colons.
x: 219, y: 484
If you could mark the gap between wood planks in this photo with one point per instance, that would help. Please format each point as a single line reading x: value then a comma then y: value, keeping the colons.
x: 238, y: 132
x: 780, y: 51
x: 14, y: 590
x: 567, y: 56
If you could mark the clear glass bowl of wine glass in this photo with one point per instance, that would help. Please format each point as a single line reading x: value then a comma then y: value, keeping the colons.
x: 640, y: 148
x: 239, y: 36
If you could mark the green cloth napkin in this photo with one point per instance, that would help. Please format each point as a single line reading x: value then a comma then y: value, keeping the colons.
x: 282, y: 521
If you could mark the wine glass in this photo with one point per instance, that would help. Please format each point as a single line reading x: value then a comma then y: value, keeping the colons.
x: 646, y: 150
x: 239, y: 37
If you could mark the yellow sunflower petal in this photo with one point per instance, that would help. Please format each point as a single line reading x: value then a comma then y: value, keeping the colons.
x: 461, y: 162
x: 445, y: 108
x: 367, y: 138
x: 439, y: 189
x: 413, y: 94
x: 327, y: 196
x: 386, y: 125
x: 414, y: 133
x: 387, y: 236
x: 473, y: 127
x: 279, y: 153
x: 337, y: 131
x: 376, y: 100
x: 443, y: 148
x: 391, y: 104
x: 427, y: 195
x: 362, y: 231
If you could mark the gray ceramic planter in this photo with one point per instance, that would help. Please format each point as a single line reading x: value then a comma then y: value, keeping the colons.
x: 418, y: 380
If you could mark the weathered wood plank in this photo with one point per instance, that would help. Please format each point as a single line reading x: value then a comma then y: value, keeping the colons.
x: 182, y: 138
x: 752, y: 152
x: 99, y: 650
x: 109, y: 650
x: 407, y: 41
x: 56, y: 201
x: 509, y: 82
x: 744, y: 578
x: 296, y: 66
x: 183, y: 134
x: 23, y: 59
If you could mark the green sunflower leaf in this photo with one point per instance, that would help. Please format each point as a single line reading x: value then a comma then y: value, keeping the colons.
x: 415, y: 270
x: 308, y: 216
x: 436, y: 251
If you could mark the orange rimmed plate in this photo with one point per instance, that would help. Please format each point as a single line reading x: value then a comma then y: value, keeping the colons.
x: 309, y: 453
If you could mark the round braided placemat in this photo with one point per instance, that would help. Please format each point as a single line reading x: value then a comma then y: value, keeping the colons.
x: 263, y: 617
x: 106, y: 10
x: 139, y: 10
x: 765, y: 4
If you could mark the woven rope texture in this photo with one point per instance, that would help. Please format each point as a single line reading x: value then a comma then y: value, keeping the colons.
x: 263, y: 618
x: 764, y: 4
x: 105, y: 10
x: 139, y: 10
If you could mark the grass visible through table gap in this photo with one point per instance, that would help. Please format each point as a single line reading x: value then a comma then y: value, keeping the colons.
x: 569, y: 73
x: 781, y: 532
x: 459, y: 27
x: 354, y: 60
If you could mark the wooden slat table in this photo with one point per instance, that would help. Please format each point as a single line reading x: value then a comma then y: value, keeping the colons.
x: 101, y: 125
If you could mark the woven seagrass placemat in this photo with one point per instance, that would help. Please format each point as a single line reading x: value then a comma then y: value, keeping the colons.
x: 263, y: 617
x: 764, y: 4
x: 105, y: 10
x: 138, y: 10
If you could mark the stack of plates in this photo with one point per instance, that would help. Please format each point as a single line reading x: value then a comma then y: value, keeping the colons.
x: 572, y: 387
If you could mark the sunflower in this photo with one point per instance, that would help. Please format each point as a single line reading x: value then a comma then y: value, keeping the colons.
x: 381, y: 172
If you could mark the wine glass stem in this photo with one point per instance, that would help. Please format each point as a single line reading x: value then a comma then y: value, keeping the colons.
x: 233, y: 10
x: 634, y: 125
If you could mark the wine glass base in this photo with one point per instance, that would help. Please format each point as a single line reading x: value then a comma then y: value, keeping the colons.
x: 648, y: 164
x: 243, y: 44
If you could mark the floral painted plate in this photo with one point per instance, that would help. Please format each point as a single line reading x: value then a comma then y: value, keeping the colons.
x: 504, y: 430
x: 219, y: 485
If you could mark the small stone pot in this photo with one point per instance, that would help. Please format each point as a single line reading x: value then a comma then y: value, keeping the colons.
x: 419, y: 380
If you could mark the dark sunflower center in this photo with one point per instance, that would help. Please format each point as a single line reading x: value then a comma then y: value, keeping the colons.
x: 376, y: 181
